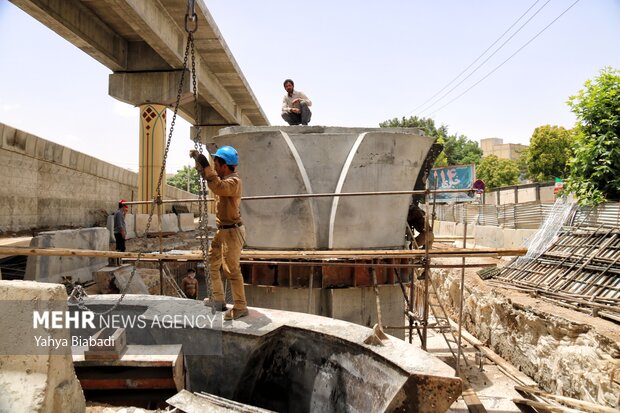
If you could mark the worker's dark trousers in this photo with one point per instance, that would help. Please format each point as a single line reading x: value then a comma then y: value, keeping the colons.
x: 298, y: 118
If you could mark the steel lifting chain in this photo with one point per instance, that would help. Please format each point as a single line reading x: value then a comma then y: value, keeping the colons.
x: 202, y: 204
x: 78, y: 294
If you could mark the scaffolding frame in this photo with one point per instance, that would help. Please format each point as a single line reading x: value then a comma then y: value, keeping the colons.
x: 416, y: 300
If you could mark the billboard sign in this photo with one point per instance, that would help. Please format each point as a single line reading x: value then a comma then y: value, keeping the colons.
x: 453, y: 177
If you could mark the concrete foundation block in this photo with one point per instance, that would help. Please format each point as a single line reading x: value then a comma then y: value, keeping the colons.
x: 169, y: 223
x: 35, y: 377
x: 355, y: 304
x: 359, y: 305
x: 282, y: 298
x: 186, y: 222
x: 53, y: 269
x: 488, y: 236
x: 444, y: 228
x: 521, y: 237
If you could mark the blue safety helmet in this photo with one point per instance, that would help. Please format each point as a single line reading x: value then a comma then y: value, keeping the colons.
x: 228, y: 154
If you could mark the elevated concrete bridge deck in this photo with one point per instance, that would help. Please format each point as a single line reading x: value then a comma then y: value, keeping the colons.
x: 143, y: 43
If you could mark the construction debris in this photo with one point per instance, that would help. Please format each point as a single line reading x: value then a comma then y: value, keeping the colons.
x: 579, y: 270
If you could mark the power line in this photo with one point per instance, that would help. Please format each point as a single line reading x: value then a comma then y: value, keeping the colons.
x: 487, y: 59
x: 478, y: 58
x: 510, y: 57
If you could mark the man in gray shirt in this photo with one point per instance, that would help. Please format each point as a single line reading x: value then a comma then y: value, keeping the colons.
x: 120, y: 230
x: 295, y: 105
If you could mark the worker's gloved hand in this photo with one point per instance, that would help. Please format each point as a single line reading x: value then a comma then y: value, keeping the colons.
x: 201, y: 160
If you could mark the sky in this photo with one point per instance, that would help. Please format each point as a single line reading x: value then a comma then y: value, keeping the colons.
x: 361, y: 62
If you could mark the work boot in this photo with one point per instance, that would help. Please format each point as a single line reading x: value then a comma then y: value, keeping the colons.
x: 235, y: 313
x: 218, y: 305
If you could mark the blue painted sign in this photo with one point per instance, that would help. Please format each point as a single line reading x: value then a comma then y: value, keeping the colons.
x: 453, y: 177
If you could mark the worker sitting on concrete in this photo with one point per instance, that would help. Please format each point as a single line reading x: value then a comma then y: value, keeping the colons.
x: 295, y: 105
x: 225, y: 249
x: 189, y: 284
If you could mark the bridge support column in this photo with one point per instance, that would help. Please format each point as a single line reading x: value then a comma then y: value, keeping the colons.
x: 152, y: 146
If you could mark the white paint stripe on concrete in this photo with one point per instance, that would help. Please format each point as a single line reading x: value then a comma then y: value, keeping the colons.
x: 304, y: 177
x: 341, y: 179
x: 300, y: 164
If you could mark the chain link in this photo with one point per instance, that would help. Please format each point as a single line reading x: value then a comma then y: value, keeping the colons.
x: 202, y: 205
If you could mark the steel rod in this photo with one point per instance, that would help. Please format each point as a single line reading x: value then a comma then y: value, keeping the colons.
x: 319, y: 195
x: 462, y: 294
x: 253, y: 254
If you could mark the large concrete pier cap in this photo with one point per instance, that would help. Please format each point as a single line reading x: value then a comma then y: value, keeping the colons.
x: 316, y: 159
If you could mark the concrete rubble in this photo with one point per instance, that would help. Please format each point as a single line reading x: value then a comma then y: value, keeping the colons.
x: 34, y: 378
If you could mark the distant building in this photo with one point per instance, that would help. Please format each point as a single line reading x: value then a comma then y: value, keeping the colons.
x: 497, y: 147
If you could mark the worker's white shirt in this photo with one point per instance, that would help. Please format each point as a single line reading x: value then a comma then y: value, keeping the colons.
x: 287, y: 102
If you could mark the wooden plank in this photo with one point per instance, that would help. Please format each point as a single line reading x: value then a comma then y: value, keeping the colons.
x: 545, y: 407
x: 580, y: 404
x: 134, y: 383
x: 162, y: 355
x: 254, y: 254
x: 474, y: 405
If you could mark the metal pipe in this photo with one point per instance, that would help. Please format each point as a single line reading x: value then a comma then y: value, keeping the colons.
x: 345, y: 264
x: 193, y: 256
x: 320, y: 195
x: 458, y: 347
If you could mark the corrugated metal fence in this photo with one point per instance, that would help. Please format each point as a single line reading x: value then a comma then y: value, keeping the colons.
x: 528, y: 215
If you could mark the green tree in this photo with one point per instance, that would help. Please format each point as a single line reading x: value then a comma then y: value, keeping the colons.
x: 595, y: 168
x: 460, y: 150
x: 426, y: 124
x: 549, y: 152
x: 180, y: 179
x: 496, y: 172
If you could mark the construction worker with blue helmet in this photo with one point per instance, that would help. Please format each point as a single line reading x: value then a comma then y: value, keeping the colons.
x: 228, y: 154
x: 225, y: 249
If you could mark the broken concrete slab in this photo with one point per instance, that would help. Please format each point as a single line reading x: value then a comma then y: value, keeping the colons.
x: 35, y: 378
x: 53, y: 269
x: 122, y: 275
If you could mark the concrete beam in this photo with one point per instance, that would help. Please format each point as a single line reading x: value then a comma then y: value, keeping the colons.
x: 142, y: 58
x: 137, y: 88
x: 165, y: 36
x: 78, y: 24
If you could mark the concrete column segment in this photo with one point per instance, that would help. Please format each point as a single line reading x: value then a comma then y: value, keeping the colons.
x: 152, y: 145
x: 35, y: 377
x: 314, y: 159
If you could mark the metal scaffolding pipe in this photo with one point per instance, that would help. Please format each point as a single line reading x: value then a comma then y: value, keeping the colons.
x: 320, y: 195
